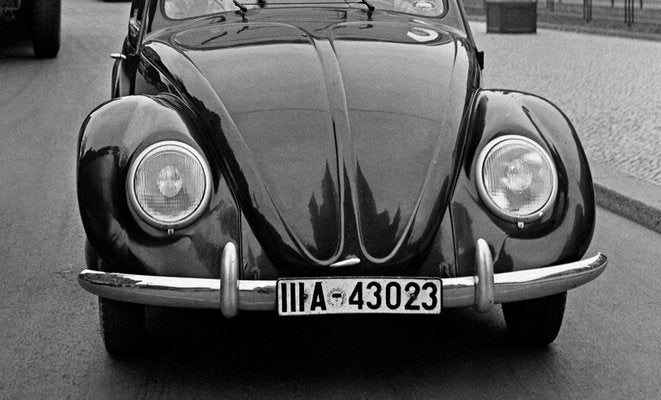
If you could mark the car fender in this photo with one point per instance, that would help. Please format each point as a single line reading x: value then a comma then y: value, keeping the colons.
x: 561, y: 235
x: 110, y: 137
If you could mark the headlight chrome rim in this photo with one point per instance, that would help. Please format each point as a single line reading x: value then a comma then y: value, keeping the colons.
x: 486, y: 198
x: 163, y: 146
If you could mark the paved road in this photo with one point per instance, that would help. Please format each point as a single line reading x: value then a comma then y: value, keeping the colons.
x: 609, y: 346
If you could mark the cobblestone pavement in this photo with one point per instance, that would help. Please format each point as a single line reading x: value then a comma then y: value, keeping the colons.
x: 609, y: 87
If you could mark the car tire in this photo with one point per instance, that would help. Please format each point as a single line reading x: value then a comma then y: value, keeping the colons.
x: 45, y: 19
x: 122, y: 326
x: 91, y: 258
x: 535, y: 322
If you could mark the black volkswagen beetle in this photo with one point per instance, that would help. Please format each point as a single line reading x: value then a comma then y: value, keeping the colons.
x: 326, y: 157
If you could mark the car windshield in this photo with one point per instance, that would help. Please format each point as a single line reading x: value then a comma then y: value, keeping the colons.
x: 180, y: 9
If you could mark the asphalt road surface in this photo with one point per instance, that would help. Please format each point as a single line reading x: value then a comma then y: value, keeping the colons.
x: 50, y: 346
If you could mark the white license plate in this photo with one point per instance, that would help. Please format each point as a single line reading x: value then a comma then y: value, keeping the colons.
x: 359, y: 296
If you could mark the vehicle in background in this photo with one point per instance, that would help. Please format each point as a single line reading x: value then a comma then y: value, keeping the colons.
x: 38, y: 20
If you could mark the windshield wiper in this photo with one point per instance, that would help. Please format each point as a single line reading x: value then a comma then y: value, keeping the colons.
x: 369, y: 6
x: 243, y: 8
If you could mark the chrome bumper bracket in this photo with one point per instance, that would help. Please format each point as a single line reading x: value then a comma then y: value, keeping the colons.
x: 484, y: 287
x: 229, y: 281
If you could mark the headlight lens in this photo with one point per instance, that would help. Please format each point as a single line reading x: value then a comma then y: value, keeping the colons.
x: 516, y: 178
x: 169, y: 184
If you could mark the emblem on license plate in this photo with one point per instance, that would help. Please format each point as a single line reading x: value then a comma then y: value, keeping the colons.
x: 336, y: 297
x: 359, y: 295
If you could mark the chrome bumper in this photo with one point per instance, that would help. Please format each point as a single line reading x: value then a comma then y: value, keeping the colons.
x: 229, y: 294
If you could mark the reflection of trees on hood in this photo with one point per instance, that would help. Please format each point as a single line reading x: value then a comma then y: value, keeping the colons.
x: 324, y: 216
x: 377, y: 228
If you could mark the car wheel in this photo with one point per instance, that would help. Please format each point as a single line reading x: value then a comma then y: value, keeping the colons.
x: 45, y: 27
x: 535, y: 322
x: 122, y: 326
x: 91, y: 258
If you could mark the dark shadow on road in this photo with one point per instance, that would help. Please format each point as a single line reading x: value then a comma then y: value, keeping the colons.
x: 260, y: 354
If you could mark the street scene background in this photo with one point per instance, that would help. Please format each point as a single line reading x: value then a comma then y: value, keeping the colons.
x: 609, y: 345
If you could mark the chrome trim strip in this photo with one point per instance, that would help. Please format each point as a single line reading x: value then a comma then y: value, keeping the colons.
x: 229, y: 281
x: 540, y: 282
x: 153, y: 290
x: 346, y: 263
x: 484, y: 287
x: 261, y: 295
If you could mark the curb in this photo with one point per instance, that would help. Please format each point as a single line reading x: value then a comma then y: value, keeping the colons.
x: 627, y: 207
x: 628, y: 196
x: 591, y: 30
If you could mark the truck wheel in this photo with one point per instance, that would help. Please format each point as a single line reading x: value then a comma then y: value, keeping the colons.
x: 122, y: 326
x: 45, y: 27
x: 535, y: 322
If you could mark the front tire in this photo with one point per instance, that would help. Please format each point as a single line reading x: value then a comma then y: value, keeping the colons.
x: 535, y: 322
x: 122, y: 326
x: 45, y: 18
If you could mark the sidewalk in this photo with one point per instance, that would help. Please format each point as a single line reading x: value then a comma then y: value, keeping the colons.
x: 610, y: 88
x: 605, y: 20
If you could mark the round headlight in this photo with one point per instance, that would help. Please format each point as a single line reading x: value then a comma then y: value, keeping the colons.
x: 516, y: 178
x: 169, y: 183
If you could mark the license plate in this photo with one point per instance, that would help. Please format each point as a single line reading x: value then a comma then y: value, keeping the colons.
x: 359, y: 296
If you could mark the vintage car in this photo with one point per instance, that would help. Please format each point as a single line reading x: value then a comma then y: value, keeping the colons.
x: 38, y: 20
x: 326, y: 157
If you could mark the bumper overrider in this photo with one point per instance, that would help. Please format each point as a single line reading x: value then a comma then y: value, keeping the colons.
x: 231, y: 294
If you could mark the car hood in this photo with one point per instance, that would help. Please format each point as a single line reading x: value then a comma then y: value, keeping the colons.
x: 341, y: 140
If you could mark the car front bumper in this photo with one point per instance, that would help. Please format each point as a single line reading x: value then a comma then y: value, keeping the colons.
x: 230, y: 294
